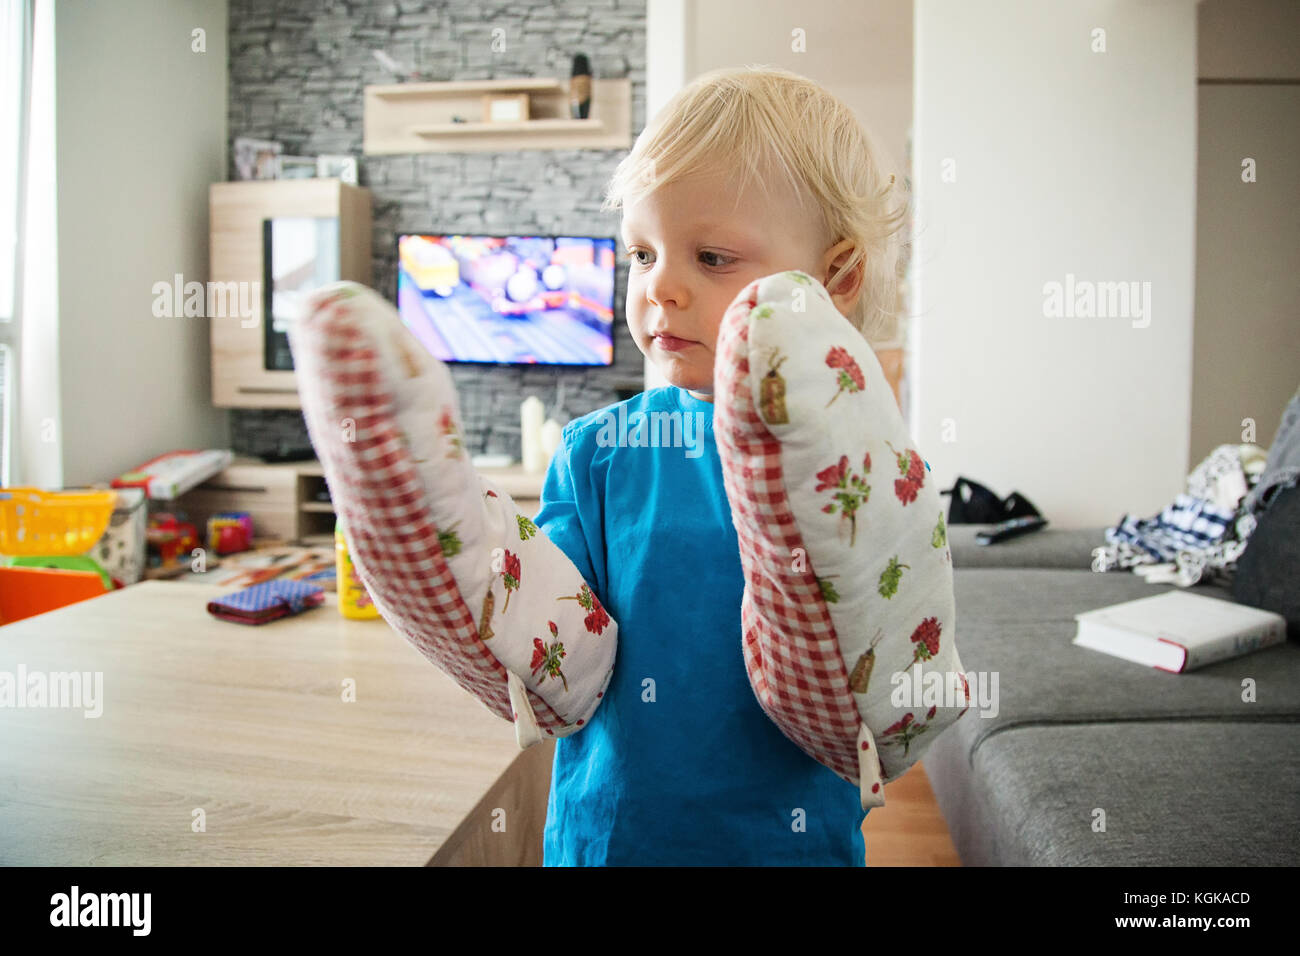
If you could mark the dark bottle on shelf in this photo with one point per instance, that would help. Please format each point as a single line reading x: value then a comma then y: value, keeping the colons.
x: 580, y: 87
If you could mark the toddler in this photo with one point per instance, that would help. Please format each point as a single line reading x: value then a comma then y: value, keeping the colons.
x: 745, y: 173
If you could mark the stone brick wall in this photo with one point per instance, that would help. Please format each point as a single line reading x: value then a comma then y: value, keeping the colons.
x: 297, y: 71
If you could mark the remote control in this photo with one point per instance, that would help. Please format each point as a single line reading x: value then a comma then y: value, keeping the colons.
x: 1009, y: 529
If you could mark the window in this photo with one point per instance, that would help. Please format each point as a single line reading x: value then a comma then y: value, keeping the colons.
x: 16, y: 18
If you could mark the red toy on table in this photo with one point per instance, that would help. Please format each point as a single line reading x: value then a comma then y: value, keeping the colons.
x: 230, y: 532
x: 170, y: 538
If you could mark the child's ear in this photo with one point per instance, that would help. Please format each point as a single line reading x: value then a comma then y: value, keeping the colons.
x: 844, y: 289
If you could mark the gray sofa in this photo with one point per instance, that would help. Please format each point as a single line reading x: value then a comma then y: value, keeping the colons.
x: 1187, y: 774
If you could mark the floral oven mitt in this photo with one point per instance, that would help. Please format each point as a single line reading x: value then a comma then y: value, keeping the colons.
x: 848, y: 606
x: 449, y: 560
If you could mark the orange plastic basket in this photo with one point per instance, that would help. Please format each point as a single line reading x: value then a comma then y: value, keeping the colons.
x: 25, y: 592
x: 36, y: 522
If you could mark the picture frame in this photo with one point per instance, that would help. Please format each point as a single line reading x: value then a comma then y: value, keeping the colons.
x: 337, y: 166
x: 298, y: 167
x: 257, y: 158
x: 505, y: 107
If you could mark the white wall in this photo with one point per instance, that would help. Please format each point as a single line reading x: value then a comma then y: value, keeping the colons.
x: 140, y: 132
x: 861, y: 51
x: 669, y: 44
x: 670, y: 48
x: 1068, y: 161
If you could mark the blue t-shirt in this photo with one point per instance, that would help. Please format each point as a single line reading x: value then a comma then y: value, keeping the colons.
x: 679, y: 764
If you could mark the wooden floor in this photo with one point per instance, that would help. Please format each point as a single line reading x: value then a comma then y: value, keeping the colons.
x: 908, y: 830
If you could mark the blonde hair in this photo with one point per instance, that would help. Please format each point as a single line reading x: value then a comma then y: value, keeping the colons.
x: 770, y: 120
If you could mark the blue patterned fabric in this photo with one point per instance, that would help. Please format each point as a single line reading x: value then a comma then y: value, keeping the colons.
x: 1188, y: 523
x: 297, y: 595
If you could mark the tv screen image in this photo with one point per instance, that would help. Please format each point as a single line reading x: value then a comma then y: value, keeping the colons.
x: 522, y: 300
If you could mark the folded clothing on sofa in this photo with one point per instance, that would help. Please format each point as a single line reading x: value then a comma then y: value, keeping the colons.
x: 1202, y: 533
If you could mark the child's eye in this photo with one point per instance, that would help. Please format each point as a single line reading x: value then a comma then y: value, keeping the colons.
x: 719, y: 260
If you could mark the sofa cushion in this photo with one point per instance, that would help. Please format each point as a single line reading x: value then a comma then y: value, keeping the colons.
x: 1175, y: 793
x: 1019, y: 626
x: 1047, y: 548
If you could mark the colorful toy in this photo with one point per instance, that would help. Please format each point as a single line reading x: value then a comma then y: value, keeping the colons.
x: 230, y: 532
x: 170, y: 538
x: 354, y: 599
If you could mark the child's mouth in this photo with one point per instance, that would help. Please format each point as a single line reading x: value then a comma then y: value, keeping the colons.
x: 672, y: 343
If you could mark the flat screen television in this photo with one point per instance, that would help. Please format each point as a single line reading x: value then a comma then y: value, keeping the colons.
x: 299, y: 255
x: 514, y: 300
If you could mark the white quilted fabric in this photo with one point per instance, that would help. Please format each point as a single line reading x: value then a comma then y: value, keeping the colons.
x: 848, y: 612
x: 448, y: 558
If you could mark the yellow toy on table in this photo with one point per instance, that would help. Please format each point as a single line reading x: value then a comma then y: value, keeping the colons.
x: 354, y: 599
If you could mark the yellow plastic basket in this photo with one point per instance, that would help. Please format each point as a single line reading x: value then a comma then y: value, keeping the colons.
x: 36, y: 522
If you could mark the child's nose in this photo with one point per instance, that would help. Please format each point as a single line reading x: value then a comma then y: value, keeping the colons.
x: 665, y: 286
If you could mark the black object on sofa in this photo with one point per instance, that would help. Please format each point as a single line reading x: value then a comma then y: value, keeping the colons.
x: 971, y: 503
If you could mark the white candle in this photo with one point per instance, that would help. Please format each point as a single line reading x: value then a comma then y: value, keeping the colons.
x: 552, y: 432
x: 530, y: 434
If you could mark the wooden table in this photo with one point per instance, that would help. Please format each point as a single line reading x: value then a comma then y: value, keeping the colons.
x: 248, y: 727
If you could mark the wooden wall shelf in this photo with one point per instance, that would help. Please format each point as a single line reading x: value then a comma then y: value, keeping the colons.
x: 459, y: 87
x: 527, y: 126
x: 416, y: 117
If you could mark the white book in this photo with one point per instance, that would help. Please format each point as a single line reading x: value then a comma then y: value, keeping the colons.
x: 1177, y: 631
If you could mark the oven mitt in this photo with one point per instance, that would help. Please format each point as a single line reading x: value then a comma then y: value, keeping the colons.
x: 449, y: 560
x: 848, y: 577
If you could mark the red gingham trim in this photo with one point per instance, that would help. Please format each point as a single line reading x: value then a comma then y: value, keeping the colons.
x: 790, y: 646
x: 377, y: 491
